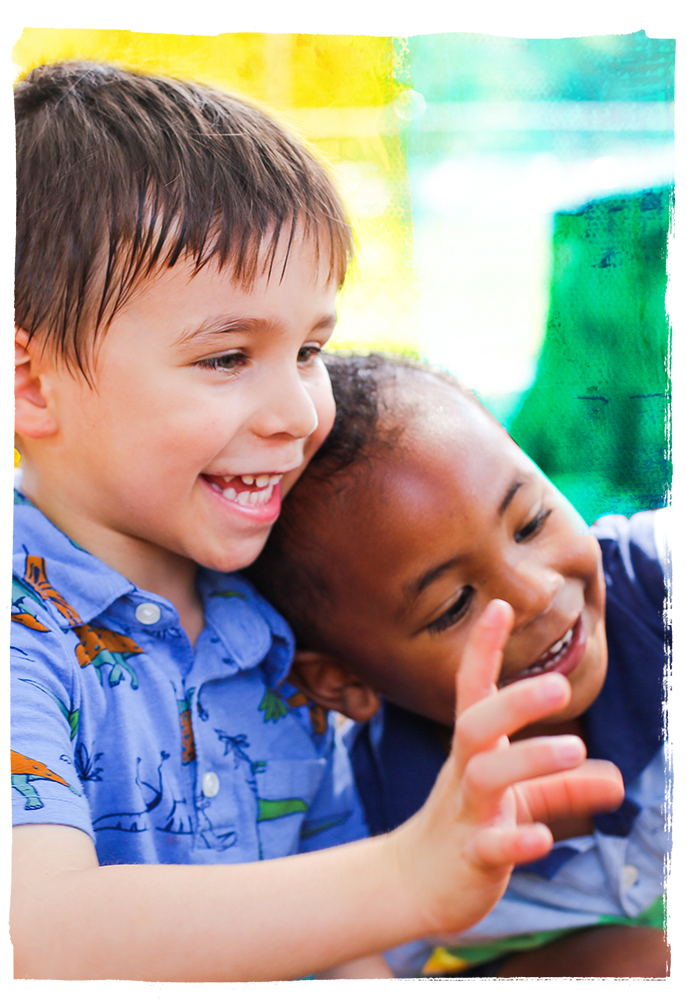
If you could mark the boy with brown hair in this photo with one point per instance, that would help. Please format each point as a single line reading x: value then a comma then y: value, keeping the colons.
x: 178, y: 258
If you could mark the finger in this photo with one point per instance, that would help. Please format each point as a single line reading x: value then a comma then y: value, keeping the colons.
x: 595, y: 786
x: 480, y: 663
x: 506, y: 711
x: 495, y: 846
x: 488, y: 775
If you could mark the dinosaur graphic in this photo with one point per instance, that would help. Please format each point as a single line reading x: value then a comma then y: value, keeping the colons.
x: 275, y: 707
x: 20, y: 608
x: 71, y: 714
x: 26, y: 771
x: 188, y: 745
x: 268, y: 809
x: 99, y: 646
x: 35, y: 585
x: 318, y: 716
x: 135, y: 821
x: 36, y: 577
x: 312, y: 827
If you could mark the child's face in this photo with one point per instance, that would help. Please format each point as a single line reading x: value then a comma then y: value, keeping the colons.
x: 208, y: 402
x: 453, y: 517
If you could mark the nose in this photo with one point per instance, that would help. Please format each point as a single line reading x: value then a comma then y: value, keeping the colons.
x: 529, y: 587
x: 284, y: 407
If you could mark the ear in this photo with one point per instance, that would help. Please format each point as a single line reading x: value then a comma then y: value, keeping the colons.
x: 329, y: 683
x: 33, y: 416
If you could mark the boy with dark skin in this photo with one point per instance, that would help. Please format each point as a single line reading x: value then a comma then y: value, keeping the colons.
x: 416, y: 513
x: 179, y: 257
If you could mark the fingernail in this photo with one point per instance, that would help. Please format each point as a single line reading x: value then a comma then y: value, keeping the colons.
x: 551, y: 687
x: 493, y: 613
x: 569, y: 749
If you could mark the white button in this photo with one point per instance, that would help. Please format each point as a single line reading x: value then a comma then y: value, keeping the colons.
x: 628, y: 876
x: 148, y: 613
x: 210, y: 784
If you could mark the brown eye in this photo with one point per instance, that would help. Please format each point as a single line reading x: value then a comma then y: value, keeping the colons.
x: 225, y: 362
x: 308, y: 352
x: 454, y: 613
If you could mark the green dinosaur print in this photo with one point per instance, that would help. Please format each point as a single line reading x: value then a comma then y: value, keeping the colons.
x: 276, y: 808
x: 23, y: 597
x: 71, y: 714
x: 273, y: 705
x: 312, y: 827
x: 100, y: 646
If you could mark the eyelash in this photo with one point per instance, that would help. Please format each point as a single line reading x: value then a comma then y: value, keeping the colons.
x: 533, y: 527
x: 313, y: 351
x: 239, y: 360
x: 460, y: 608
x: 457, y: 611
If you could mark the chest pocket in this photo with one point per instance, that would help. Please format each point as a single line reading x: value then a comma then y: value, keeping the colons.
x: 285, y: 792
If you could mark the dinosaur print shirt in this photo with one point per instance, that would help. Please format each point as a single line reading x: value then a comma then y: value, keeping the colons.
x: 162, y: 753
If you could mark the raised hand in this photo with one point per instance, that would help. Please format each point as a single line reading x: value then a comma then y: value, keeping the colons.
x: 459, y: 850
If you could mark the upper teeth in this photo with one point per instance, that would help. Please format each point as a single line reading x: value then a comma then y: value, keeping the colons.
x: 558, y: 646
x: 264, y: 479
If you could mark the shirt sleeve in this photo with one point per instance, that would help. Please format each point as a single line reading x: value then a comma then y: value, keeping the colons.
x: 45, y: 706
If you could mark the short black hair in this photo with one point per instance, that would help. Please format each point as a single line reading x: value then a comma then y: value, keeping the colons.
x: 370, y: 418
x: 120, y: 174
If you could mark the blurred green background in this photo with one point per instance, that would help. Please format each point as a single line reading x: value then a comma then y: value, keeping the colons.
x: 511, y: 200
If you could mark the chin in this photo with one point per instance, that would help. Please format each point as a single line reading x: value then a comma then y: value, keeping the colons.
x: 237, y: 558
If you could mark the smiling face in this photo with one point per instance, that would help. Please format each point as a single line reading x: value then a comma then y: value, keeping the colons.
x: 431, y: 531
x: 208, y: 401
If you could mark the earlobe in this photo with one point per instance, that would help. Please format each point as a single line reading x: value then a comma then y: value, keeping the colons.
x: 330, y: 683
x: 33, y: 416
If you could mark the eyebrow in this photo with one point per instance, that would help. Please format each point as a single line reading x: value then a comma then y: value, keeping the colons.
x: 414, y: 589
x: 510, y: 493
x: 231, y: 324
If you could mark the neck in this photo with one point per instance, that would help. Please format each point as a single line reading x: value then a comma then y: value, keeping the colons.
x: 148, y: 566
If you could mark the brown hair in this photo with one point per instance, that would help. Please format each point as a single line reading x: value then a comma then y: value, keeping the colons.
x: 121, y: 174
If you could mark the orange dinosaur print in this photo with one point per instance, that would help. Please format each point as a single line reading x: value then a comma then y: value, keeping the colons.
x: 36, y: 576
x: 24, y: 618
x: 99, y: 645
x: 34, y: 768
x: 25, y: 771
x: 318, y: 716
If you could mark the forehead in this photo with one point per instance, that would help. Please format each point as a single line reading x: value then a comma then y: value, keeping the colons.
x: 450, y: 446
x: 444, y: 478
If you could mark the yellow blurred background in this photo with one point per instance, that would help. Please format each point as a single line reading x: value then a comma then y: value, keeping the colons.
x: 336, y: 92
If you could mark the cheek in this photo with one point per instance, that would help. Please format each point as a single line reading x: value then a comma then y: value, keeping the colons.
x: 323, y: 401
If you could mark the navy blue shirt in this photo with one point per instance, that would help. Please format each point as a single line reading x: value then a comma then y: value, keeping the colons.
x: 397, y: 756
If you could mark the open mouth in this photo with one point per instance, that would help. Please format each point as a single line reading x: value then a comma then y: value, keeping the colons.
x: 562, y: 656
x: 247, y: 490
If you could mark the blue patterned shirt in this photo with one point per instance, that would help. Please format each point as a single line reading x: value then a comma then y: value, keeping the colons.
x: 161, y: 752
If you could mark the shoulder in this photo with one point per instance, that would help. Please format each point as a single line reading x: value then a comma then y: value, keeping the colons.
x: 636, y: 555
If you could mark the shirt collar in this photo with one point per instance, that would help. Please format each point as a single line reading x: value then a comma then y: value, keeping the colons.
x: 80, y: 587
x: 76, y: 584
